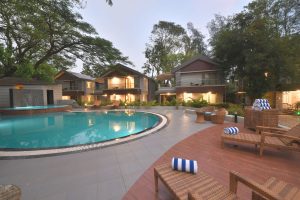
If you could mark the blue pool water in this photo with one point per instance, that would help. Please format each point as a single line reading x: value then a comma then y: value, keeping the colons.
x: 34, y: 107
x: 54, y: 130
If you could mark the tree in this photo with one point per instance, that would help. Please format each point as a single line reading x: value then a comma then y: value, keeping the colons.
x: 42, y: 36
x: 170, y: 45
x: 256, y: 47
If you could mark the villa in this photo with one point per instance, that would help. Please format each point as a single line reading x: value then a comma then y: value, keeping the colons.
x: 128, y: 85
x: 198, y: 78
x: 79, y: 87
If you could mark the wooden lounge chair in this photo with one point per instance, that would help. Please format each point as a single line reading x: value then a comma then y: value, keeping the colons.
x: 275, y: 137
x: 282, y: 189
x: 10, y: 192
x: 201, y: 186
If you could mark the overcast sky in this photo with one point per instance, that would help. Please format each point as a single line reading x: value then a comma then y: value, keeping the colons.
x: 128, y: 23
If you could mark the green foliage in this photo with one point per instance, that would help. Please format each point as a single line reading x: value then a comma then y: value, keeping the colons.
x: 41, y: 36
x: 257, y: 46
x: 235, y: 108
x: 170, y: 45
x: 196, y: 103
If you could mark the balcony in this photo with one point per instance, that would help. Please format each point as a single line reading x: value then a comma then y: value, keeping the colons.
x: 165, y: 88
x: 120, y: 86
x: 200, y: 83
x: 71, y: 88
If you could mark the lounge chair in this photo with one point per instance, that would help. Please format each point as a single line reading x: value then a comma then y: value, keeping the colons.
x: 268, y: 137
x: 285, y: 190
x: 201, y: 186
x: 10, y: 192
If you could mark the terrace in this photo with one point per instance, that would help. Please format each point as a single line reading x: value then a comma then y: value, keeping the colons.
x: 126, y: 170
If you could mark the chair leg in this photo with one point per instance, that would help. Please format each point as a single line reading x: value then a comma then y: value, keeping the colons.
x: 156, y: 181
x: 261, y: 150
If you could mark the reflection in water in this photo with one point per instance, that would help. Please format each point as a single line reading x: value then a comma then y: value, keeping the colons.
x: 68, y: 129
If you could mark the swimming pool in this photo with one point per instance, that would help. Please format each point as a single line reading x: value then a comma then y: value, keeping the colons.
x: 68, y: 129
x: 29, y: 110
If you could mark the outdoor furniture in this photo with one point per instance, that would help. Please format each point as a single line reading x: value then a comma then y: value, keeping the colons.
x: 255, y: 118
x: 200, y: 186
x: 10, y: 192
x: 200, y: 117
x: 218, y: 117
x: 289, y: 140
x: 282, y: 189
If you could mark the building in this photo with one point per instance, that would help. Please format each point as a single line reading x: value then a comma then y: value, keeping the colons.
x: 198, y: 78
x: 18, y: 92
x: 122, y: 83
x: 76, y: 86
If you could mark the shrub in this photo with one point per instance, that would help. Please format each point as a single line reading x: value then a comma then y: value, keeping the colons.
x: 197, y: 103
x: 232, y: 108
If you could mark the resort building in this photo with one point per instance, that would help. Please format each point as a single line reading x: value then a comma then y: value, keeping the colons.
x: 18, y: 92
x: 79, y: 87
x: 199, y: 78
x: 122, y: 83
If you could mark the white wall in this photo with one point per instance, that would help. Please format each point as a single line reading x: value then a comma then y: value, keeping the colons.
x: 57, y: 93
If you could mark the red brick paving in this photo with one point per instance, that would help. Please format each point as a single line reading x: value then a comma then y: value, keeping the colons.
x: 205, y: 147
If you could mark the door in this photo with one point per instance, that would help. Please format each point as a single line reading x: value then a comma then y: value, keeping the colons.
x: 50, y: 97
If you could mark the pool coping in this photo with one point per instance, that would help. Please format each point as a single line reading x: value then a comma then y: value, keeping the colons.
x: 36, y: 153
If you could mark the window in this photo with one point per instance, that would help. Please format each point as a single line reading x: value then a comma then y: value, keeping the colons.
x: 88, y: 84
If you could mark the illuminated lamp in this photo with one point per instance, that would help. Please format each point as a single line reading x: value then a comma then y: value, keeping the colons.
x: 19, y: 86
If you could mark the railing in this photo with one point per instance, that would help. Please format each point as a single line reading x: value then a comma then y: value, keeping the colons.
x: 71, y: 88
x: 120, y: 86
x: 196, y: 83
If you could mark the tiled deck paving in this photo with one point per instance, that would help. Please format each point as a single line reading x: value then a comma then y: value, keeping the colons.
x: 205, y: 147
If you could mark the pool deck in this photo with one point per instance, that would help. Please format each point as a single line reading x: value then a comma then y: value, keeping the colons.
x: 205, y: 147
x: 109, y: 173
x: 105, y: 173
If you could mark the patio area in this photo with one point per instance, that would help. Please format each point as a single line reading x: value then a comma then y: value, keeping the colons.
x: 126, y: 170
x: 205, y: 147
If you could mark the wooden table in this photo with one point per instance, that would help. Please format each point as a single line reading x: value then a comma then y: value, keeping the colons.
x: 200, y: 117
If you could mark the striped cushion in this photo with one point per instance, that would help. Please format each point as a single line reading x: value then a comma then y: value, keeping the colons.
x: 184, y: 165
x: 231, y: 130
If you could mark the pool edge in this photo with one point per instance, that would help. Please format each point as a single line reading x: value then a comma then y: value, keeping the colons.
x: 26, y: 154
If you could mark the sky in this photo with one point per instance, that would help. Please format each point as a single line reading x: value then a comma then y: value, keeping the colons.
x: 128, y: 23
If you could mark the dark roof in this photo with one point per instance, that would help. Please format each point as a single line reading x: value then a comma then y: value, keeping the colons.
x: 82, y: 76
x: 8, y: 81
x: 201, y: 57
x: 77, y: 75
x: 120, y: 66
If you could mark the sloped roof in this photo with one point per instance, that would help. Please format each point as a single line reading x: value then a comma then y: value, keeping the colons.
x: 9, y: 81
x: 82, y: 76
x: 120, y: 66
x: 201, y: 57
x: 77, y: 75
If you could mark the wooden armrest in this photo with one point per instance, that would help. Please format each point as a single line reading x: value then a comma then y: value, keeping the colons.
x: 279, y: 135
x: 235, y: 177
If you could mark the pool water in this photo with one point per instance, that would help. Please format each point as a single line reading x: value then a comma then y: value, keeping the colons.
x: 34, y: 107
x: 53, y: 130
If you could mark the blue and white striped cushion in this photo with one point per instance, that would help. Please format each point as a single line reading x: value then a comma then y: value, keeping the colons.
x: 184, y: 165
x: 231, y: 130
